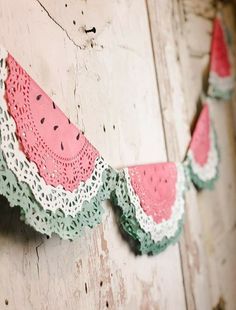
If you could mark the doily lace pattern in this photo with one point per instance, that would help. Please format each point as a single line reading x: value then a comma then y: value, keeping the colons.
x: 61, y: 152
x: 140, y: 240
x: 166, y: 228
x: 205, y: 176
x: 126, y: 198
x: 221, y: 77
x: 220, y: 88
x: 47, y: 222
x: 49, y: 197
x: 155, y: 185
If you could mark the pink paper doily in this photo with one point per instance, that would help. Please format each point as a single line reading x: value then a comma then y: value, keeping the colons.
x: 200, y: 143
x: 219, y: 62
x: 61, y: 152
x: 155, y: 185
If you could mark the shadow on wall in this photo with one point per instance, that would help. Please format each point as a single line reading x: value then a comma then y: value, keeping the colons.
x: 11, y: 227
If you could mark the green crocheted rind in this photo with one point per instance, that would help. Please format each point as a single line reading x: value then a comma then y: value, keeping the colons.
x: 198, y: 182
x: 47, y: 222
x: 139, y: 240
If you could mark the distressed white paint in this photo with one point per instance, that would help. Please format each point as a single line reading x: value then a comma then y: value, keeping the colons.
x: 111, y: 83
x: 111, y: 80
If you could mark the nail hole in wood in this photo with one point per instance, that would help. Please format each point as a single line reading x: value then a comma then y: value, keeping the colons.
x: 91, y: 30
x: 86, y: 288
x: 6, y: 302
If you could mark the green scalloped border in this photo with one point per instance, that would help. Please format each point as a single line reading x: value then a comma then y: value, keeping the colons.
x: 139, y: 240
x: 48, y: 222
x: 214, y: 91
x: 218, y: 93
x: 198, y: 182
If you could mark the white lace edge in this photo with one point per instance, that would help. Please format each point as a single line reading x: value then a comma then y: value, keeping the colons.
x: 224, y: 83
x: 50, y: 197
x: 209, y: 171
x: 167, y: 228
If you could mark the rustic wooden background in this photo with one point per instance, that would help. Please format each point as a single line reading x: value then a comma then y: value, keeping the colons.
x: 133, y: 87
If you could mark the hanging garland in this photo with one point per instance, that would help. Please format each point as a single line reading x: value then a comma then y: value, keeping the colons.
x: 59, y: 180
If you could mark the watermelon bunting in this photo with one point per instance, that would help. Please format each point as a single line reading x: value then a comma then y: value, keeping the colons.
x: 151, y: 202
x: 221, y: 77
x: 59, y: 180
x: 49, y: 169
x: 203, y: 156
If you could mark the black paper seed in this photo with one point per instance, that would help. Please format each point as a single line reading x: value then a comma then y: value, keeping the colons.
x: 53, y: 104
x: 38, y: 97
x: 42, y: 120
x: 77, y: 138
x: 69, y: 121
x: 55, y: 127
x: 62, y: 147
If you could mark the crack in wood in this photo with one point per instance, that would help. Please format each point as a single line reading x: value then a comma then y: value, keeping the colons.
x: 59, y: 25
x: 37, y: 253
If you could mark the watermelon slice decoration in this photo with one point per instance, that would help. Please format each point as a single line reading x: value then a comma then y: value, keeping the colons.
x: 203, y: 155
x: 151, y: 204
x: 221, y: 77
x: 48, y: 168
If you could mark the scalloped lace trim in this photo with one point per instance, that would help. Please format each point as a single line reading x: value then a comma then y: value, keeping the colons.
x: 61, y: 152
x: 209, y: 170
x: 50, y: 198
x: 46, y: 222
x: 223, y: 83
x: 167, y: 228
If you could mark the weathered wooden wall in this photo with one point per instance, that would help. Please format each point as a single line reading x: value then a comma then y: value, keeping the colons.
x: 133, y: 87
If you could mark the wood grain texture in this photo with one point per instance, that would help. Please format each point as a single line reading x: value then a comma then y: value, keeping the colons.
x: 133, y: 87
x: 109, y: 89
x: 168, y: 42
x: 181, y: 33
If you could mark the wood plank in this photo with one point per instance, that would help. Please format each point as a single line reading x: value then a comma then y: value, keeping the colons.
x: 167, y: 36
x: 217, y: 217
x: 109, y: 84
x: 184, y: 49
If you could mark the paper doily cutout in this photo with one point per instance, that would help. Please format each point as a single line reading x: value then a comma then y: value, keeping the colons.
x: 61, y: 152
x: 165, y: 228
x: 50, y: 198
x: 203, y: 155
